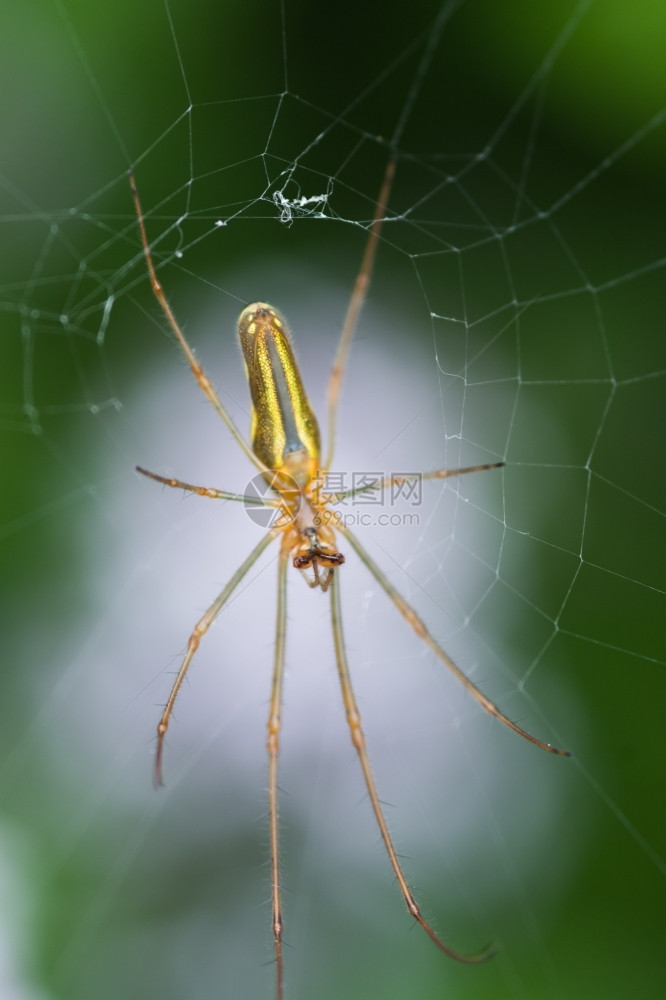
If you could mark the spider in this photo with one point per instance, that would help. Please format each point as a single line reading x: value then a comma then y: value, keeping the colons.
x: 285, y: 448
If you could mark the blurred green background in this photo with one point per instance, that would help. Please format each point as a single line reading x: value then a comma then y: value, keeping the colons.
x: 516, y: 313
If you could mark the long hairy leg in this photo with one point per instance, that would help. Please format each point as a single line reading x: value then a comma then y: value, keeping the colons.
x: 358, y: 739
x: 197, y: 369
x: 397, y: 479
x: 354, y: 308
x: 410, y: 615
x: 199, y: 630
x: 208, y: 491
x: 273, y: 746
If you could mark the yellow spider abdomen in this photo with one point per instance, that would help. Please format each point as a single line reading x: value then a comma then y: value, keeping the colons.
x: 284, y: 430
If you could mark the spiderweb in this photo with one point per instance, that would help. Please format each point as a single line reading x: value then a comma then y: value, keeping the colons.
x: 516, y: 314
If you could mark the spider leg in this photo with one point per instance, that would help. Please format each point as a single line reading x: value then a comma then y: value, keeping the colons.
x: 358, y: 739
x: 355, y: 303
x: 206, y: 491
x: 398, y: 478
x: 273, y: 746
x: 409, y: 614
x: 197, y: 369
x: 440, y: 473
x: 199, y: 630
